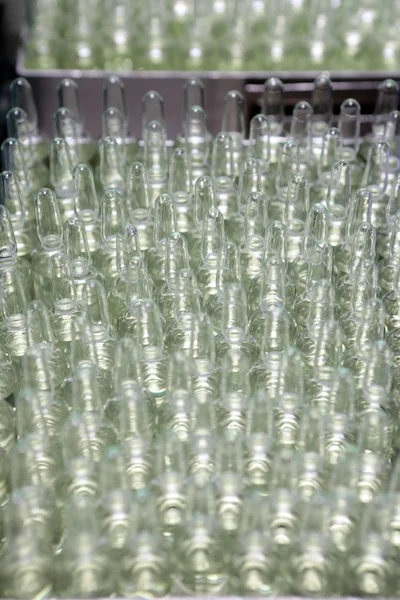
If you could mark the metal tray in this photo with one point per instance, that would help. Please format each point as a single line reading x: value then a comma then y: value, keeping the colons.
x: 298, y: 85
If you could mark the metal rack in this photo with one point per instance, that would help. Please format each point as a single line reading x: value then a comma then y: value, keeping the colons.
x: 298, y: 86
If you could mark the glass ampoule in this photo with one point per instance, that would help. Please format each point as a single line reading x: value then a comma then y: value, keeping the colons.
x: 50, y: 234
x: 35, y: 466
x: 13, y: 303
x: 228, y: 271
x: 81, y: 477
x: 283, y: 519
x: 11, y: 199
x: 133, y: 283
x: 39, y: 378
x: 375, y: 179
x: 201, y: 565
x: 175, y: 414
x: 20, y: 128
x: 127, y: 371
x: 233, y: 123
x: 370, y: 570
x: 233, y: 328
x: 193, y: 95
x: 139, y: 203
x: 78, y: 254
x: 155, y: 157
x: 115, y: 513
x: 69, y: 97
x: 393, y: 501
x: 86, y: 51
x: 85, y: 565
x: 324, y: 358
x: 212, y: 241
x: 260, y: 148
x: 171, y: 471
x: 136, y: 431
x: 391, y: 136
x: 329, y: 153
x: 337, y: 398
x: 9, y: 254
x: 288, y: 165
x: 234, y: 393
x: 275, y: 247
x: 86, y: 204
x: 114, y: 231
x: 301, y: 134
x: 95, y: 310
x: 202, y: 442
x: 249, y: 183
x: 254, y: 563
x: 273, y: 105
x: 114, y: 126
x: 61, y: 176
x: 20, y: 582
x: 359, y: 211
x: 9, y: 376
x: 391, y: 214
x: 197, y: 141
x: 111, y: 168
x: 149, y: 336
x: 114, y: 96
x: 273, y: 340
x: 179, y: 295
x: 387, y: 100
x: 8, y: 433
x: 224, y: 175
x: 258, y: 442
x: 314, y: 238
x: 361, y: 332
x: 146, y: 568
x: 322, y: 103
x: 349, y: 127
x: 296, y: 209
x: 64, y: 301
x: 22, y: 97
x: 30, y: 177
x: 230, y: 484
x: 185, y: 308
x: 349, y: 296
x: 165, y: 224
x: 69, y: 121
x: 314, y: 568
x: 180, y: 188
x: 290, y: 398
x: 272, y: 291
x: 203, y: 200
x: 202, y: 349
x: 14, y: 162
x: 338, y: 201
x: 66, y: 127
x: 310, y: 316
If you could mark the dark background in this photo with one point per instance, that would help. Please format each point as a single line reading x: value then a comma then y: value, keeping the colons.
x: 11, y: 20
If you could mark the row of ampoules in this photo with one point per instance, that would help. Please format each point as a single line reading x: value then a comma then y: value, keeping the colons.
x: 235, y: 355
x: 212, y: 35
x: 178, y: 518
x: 309, y: 120
x: 89, y: 463
x: 184, y: 535
x: 178, y: 277
x: 233, y: 284
x: 237, y: 166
